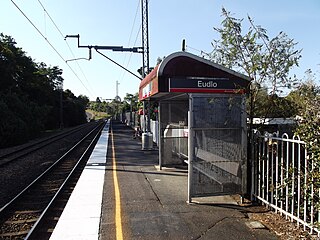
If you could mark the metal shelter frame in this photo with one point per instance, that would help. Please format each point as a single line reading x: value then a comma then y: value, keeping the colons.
x: 202, y: 122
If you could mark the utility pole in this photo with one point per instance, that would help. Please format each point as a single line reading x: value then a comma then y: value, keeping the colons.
x: 145, y: 37
x: 144, y: 50
x: 61, y: 105
x: 145, y: 54
x: 117, y: 90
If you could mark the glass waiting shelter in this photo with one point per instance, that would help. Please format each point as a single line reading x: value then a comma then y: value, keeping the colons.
x: 202, y: 122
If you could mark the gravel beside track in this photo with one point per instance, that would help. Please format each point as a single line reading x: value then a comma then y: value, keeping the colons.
x: 17, y: 175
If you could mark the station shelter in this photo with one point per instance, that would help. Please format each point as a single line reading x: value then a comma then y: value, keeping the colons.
x: 202, y: 122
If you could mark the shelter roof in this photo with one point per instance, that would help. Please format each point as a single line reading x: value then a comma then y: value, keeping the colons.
x: 183, y: 72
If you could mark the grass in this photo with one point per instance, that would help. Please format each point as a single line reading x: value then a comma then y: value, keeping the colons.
x: 97, y: 115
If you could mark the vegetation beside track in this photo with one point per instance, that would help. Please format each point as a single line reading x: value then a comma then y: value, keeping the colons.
x: 32, y: 99
x: 95, y: 115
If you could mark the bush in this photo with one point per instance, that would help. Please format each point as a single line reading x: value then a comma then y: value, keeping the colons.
x: 13, y: 130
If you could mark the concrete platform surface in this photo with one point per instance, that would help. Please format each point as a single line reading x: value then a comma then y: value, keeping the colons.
x: 153, y: 201
x: 129, y: 197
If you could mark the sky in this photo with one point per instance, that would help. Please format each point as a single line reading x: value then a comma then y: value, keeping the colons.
x: 39, y: 28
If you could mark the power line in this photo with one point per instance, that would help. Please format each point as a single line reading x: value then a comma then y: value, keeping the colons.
x: 132, y: 28
x: 117, y: 64
x: 62, y: 35
x: 57, y: 52
x: 138, y: 33
x: 38, y: 30
x: 134, y: 21
x: 144, y: 11
x: 202, y: 53
x: 50, y: 18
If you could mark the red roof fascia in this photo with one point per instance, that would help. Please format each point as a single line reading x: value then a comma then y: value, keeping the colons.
x: 149, y: 77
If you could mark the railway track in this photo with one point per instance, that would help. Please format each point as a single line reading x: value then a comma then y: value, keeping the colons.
x: 11, y: 156
x: 33, y: 213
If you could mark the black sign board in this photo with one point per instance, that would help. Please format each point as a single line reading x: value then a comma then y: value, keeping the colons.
x: 204, y: 85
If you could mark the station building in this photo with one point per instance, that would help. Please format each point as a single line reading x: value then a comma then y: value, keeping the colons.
x: 202, y: 122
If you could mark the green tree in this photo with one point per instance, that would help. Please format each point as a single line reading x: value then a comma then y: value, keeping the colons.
x: 73, y: 109
x: 307, y: 99
x: 304, y: 92
x: 20, y: 106
x: 84, y: 100
x: 9, y: 68
x: 273, y: 106
x: 131, y: 102
x: 30, y: 96
x: 266, y: 61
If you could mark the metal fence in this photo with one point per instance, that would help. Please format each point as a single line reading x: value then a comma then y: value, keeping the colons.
x: 282, y: 179
x: 133, y: 119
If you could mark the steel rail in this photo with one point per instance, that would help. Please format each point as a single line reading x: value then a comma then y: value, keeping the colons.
x: 32, y: 147
x: 5, y: 155
x: 38, y: 180
x: 34, y: 227
x: 46, y: 171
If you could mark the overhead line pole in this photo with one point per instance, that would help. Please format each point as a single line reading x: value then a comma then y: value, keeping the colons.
x: 145, y: 37
x: 145, y: 54
x: 144, y: 50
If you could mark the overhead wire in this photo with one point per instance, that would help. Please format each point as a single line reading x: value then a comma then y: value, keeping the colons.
x: 38, y: 30
x: 129, y: 41
x: 50, y: 44
x: 117, y: 64
x: 202, y: 53
x: 63, y: 36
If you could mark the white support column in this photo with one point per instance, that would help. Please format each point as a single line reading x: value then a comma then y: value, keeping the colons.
x: 160, y: 136
x: 190, y: 149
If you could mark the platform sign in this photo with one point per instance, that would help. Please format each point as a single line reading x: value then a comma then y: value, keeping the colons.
x: 204, y: 85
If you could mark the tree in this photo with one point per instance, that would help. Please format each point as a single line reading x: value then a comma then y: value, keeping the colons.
x: 307, y: 99
x: 9, y: 55
x: 266, y: 61
x: 30, y: 96
x: 98, y: 100
x: 131, y: 100
x: 273, y: 106
x: 73, y: 109
x: 84, y: 100
x: 21, y: 108
x: 304, y: 92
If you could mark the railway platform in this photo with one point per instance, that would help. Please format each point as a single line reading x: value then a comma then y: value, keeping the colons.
x: 122, y: 194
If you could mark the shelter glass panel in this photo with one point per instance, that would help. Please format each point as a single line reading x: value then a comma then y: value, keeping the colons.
x: 219, y: 146
x: 173, y: 132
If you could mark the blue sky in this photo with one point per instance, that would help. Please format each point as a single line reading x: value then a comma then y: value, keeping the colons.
x: 117, y: 23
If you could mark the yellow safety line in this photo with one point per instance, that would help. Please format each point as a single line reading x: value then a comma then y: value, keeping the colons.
x: 119, y: 235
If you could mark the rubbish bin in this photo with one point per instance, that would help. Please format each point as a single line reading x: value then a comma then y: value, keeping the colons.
x: 147, y: 141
